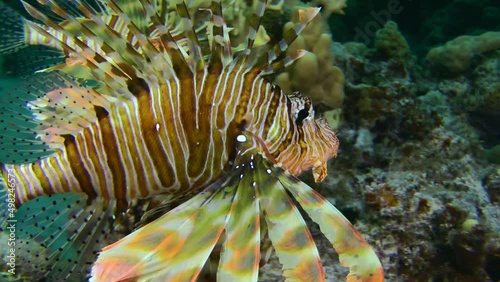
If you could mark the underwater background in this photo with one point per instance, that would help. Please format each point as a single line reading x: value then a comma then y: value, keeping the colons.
x: 413, y: 89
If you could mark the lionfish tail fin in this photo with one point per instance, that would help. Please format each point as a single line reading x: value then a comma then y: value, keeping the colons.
x: 12, y: 31
x: 354, y: 252
x: 174, y: 247
x: 64, y: 232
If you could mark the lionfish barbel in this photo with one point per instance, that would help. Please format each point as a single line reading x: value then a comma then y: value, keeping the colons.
x: 137, y: 110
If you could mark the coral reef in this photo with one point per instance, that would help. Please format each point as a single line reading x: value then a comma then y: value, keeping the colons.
x: 456, y: 55
x: 410, y: 172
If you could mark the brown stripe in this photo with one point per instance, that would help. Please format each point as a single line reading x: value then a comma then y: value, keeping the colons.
x: 197, y: 138
x: 61, y: 177
x: 272, y: 110
x: 238, y: 123
x: 77, y: 166
x: 94, y: 155
x: 140, y: 169
x: 113, y: 154
x: 152, y: 138
x: 171, y: 115
x: 40, y: 175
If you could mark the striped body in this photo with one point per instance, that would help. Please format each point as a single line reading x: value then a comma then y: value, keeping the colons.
x: 154, y: 143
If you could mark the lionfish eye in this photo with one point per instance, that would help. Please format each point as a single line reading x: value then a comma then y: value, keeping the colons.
x: 301, y: 115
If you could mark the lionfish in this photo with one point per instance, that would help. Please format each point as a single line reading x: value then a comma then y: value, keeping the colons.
x: 137, y: 111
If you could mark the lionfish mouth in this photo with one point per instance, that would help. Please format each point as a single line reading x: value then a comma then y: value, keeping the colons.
x: 319, y: 171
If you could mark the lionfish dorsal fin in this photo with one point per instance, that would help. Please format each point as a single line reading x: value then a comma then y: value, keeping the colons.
x: 91, y: 64
x: 219, y: 41
x: 269, y: 63
x: 114, y: 47
x: 253, y: 27
x: 196, y: 61
x: 177, y: 58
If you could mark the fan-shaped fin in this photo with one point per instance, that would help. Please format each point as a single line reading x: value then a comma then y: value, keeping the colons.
x: 241, y: 249
x: 38, y: 112
x: 31, y: 59
x: 68, y: 230
x: 11, y: 30
x: 172, y: 248
x: 288, y: 231
x: 353, y: 250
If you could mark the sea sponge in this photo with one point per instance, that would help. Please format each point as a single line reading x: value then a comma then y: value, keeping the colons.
x: 314, y: 74
x: 456, y: 55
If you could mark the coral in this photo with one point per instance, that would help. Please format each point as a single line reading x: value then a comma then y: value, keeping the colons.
x: 390, y: 43
x: 314, y: 74
x: 429, y: 210
x: 456, y: 56
x: 334, y: 118
x: 486, y: 84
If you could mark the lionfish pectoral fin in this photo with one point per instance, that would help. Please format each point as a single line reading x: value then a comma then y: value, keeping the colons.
x: 354, y: 252
x: 65, y: 231
x: 32, y: 59
x: 43, y: 112
x: 287, y: 229
x: 260, y: 195
x: 175, y: 246
x: 12, y: 37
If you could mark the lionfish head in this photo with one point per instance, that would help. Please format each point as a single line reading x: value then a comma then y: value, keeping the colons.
x: 312, y: 141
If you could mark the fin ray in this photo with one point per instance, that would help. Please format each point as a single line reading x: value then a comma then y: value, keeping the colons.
x: 288, y: 232
x: 68, y: 230
x: 162, y: 247
x: 354, y: 252
x: 39, y: 111
x: 241, y: 249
